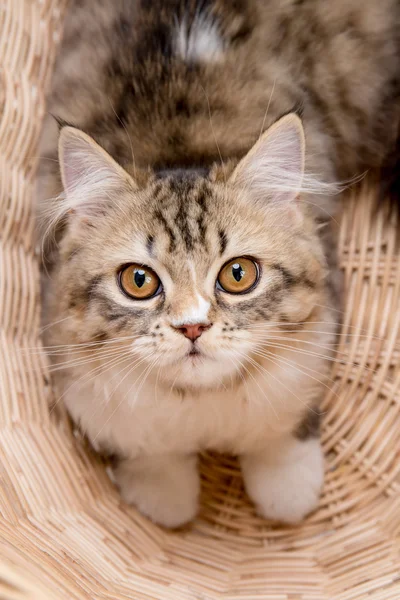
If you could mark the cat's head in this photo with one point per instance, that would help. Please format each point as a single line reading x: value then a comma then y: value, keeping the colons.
x: 191, y: 273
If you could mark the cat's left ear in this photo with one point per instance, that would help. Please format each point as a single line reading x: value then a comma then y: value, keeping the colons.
x: 91, y: 178
x: 273, y: 169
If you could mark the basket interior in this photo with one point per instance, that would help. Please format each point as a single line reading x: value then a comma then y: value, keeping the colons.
x: 65, y: 533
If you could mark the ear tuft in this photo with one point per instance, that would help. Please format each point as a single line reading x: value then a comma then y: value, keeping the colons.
x: 274, y: 167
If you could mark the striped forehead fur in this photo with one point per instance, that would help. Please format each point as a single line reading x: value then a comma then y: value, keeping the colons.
x: 95, y: 183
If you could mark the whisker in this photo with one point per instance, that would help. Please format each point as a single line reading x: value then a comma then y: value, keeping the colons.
x: 76, y: 362
x: 49, y: 325
x: 119, y: 403
x: 331, y: 217
x: 91, y: 374
x: 338, y: 335
x: 95, y: 349
x: 339, y: 361
x: 308, y: 322
x: 173, y: 384
x: 267, y: 339
x: 267, y: 327
x: 269, y: 374
x: 146, y: 374
x: 127, y: 134
x: 239, y: 364
x: 260, y: 352
x: 134, y: 365
x: 242, y: 364
x: 267, y: 109
x: 80, y: 345
x: 156, y: 384
x: 212, y: 130
x: 102, y: 406
x: 131, y: 367
x: 294, y: 365
x: 332, y: 348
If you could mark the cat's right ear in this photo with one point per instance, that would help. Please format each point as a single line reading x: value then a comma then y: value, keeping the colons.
x: 91, y: 178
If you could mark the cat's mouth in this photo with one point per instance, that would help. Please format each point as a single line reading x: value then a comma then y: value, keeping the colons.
x: 194, y: 352
x: 194, y: 355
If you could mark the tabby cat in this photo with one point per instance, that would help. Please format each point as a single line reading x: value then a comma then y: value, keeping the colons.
x: 189, y: 172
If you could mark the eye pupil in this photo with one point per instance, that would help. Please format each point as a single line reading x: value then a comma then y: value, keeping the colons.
x: 139, y: 282
x: 140, y: 277
x: 237, y: 272
x: 238, y: 276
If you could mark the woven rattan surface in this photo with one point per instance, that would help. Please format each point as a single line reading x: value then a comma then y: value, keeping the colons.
x: 63, y: 532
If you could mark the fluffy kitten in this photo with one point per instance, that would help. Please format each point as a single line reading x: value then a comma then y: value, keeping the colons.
x: 193, y: 295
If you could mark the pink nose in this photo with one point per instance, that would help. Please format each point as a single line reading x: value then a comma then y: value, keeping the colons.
x: 192, y: 332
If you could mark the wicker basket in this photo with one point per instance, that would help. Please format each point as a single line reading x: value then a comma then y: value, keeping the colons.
x: 64, y: 533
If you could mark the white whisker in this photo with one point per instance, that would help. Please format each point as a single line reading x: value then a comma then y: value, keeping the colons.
x: 253, y: 362
x: 293, y: 365
x: 122, y: 399
x: 91, y: 374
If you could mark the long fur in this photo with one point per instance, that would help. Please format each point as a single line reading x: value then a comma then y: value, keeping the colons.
x: 178, y: 163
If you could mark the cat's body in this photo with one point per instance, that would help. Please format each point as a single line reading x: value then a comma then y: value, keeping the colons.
x: 182, y: 86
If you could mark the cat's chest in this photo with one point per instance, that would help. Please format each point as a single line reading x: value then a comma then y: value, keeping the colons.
x: 133, y: 420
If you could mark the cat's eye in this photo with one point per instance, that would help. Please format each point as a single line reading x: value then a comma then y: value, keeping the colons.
x: 238, y: 276
x: 139, y: 282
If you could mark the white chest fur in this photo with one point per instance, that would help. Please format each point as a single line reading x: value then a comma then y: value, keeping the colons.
x: 125, y: 416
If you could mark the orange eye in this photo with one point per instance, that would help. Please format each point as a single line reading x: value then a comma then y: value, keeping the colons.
x: 238, y: 276
x: 139, y: 282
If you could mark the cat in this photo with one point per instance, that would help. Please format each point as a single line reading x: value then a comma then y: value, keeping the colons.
x: 188, y: 193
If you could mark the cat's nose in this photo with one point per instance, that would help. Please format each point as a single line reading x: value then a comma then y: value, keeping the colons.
x: 192, y: 332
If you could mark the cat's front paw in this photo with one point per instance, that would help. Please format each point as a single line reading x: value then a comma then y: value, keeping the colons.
x: 166, y: 489
x: 285, y: 485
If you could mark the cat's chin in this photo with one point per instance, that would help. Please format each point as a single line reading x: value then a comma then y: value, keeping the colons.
x: 197, y: 371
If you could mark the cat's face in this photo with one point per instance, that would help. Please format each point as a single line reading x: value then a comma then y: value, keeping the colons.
x: 191, y: 274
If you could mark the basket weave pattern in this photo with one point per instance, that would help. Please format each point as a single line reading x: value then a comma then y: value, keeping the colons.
x: 65, y: 535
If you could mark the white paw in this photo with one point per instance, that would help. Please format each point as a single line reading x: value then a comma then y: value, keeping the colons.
x: 286, y: 485
x: 165, y: 489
